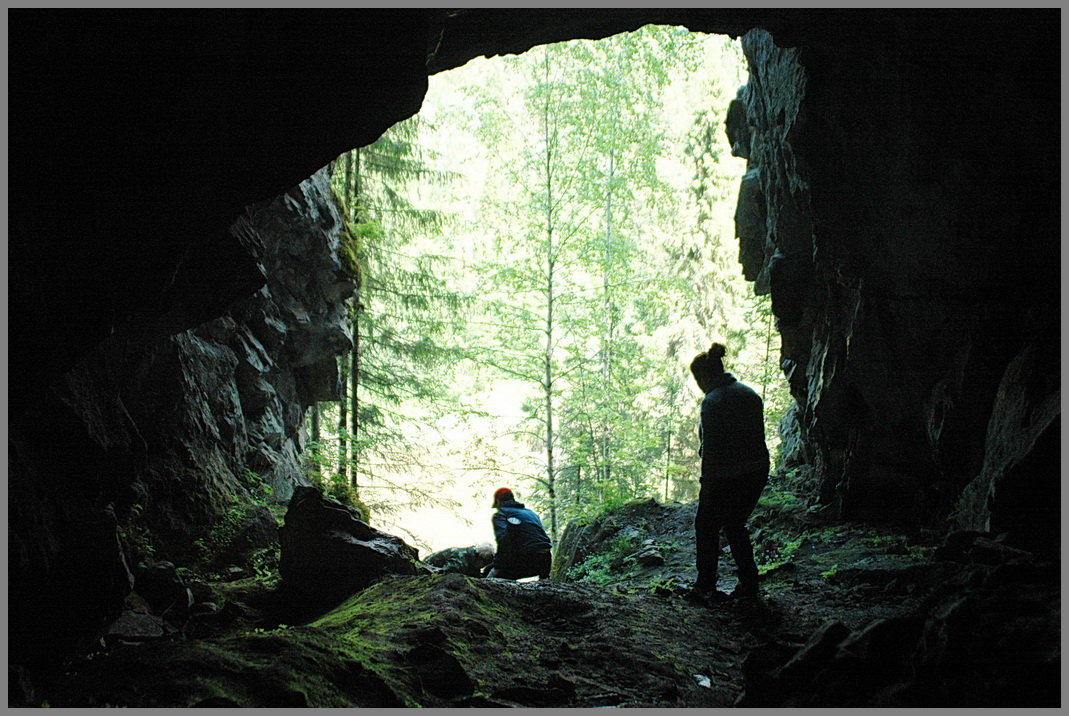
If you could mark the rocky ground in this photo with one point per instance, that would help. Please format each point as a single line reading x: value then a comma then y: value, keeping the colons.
x: 848, y: 616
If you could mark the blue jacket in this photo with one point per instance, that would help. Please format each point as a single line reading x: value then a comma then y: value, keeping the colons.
x: 518, y: 531
x: 732, y: 431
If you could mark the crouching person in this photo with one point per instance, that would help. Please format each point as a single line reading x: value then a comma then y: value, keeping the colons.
x: 463, y: 560
x: 523, y: 547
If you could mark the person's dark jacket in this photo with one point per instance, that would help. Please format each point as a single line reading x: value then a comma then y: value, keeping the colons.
x: 732, y: 431
x: 519, y: 532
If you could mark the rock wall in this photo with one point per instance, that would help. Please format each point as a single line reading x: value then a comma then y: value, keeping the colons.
x: 165, y: 433
x: 883, y: 209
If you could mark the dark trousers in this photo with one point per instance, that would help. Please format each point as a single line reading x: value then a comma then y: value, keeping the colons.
x: 726, y: 504
x: 529, y: 564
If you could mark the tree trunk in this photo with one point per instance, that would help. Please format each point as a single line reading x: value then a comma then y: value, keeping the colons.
x: 548, y: 355
x: 350, y: 184
x: 667, y: 462
x: 354, y: 376
x: 315, y: 435
x: 342, y: 438
x: 607, y: 313
x: 578, y: 484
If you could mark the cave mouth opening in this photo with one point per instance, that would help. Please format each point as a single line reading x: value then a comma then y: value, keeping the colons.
x: 541, y: 251
x: 122, y: 446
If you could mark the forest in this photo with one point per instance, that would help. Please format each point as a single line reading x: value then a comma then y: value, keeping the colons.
x: 541, y: 251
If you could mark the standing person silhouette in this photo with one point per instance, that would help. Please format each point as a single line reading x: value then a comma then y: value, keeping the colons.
x: 734, y: 471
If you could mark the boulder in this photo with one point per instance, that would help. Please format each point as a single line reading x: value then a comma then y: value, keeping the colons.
x: 163, y: 588
x: 136, y: 627
x: 1022, y: 457
x: 972, y: 547
x: 328, y: 552
x: 208, y: 619
x: 944, y: 656
x: 649, y: 556
x: 440, y: 673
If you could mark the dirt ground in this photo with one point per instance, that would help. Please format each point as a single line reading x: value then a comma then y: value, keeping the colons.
x: 622, y: 635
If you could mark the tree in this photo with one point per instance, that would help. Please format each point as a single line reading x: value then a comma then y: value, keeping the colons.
x: 401, y: 310
x: 568, y: 247
x: 599, y: 261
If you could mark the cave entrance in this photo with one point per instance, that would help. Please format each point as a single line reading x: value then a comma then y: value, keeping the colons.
x: 542, y: 250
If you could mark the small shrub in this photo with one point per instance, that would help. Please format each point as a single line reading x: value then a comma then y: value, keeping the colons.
x: 919, y: 553
x: 608, y: 565
x: 775, y: 550
x: 257, y: 487
x: 221, y: 534
x: 136, y: 537
x: 338, y: 488
x: 264, y: 564
x: 780, y: 501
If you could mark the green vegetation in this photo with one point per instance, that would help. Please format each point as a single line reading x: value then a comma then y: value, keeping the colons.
x: 777, y: 530
x: 256, y: 486
x: 136, y: 538
x: 373, y: 620
x: 775, y: 551
x: 540, y: 254
x: 333, y: 484
x: 222, y: 533
x: 226, y: 528
x: 609, y: 564
x: 296, y: 667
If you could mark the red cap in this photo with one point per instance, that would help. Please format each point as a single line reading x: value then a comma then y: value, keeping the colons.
x: 502, y: 493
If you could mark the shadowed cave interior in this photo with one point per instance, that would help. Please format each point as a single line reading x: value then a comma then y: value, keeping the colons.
x: 175, y: 296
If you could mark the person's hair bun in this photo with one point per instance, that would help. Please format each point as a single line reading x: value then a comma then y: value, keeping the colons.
x: 717, y: 350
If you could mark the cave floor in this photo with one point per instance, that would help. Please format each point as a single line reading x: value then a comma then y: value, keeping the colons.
x: 450, y: 640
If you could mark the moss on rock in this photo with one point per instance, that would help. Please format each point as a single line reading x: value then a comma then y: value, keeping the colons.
x: 289, y: 667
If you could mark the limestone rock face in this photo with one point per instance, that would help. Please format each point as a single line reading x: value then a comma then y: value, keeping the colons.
x: 226, y: 398
x: 946, y: 657
x: 1022, y: 461
x: 328, y: 552
x: 171, y: 431
x: 901, y: 288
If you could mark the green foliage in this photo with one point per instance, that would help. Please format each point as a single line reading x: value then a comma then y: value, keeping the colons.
x: 403, y: 322
x: 670, y: 584
x: 609, y: 564
x: 899, y: 544
x: 580, y: 272
x: 778, y: 534
x: 920, y: 553
x: 319, y: 471
x: 775, y: 550
x: 780, y: 501
x: 222, y: 533
x: 136, y: 538
x: 256, y: 486
x: 225, y: 529
x: 264, y: 564
x: 554, y: 233
x: 349, y: 246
